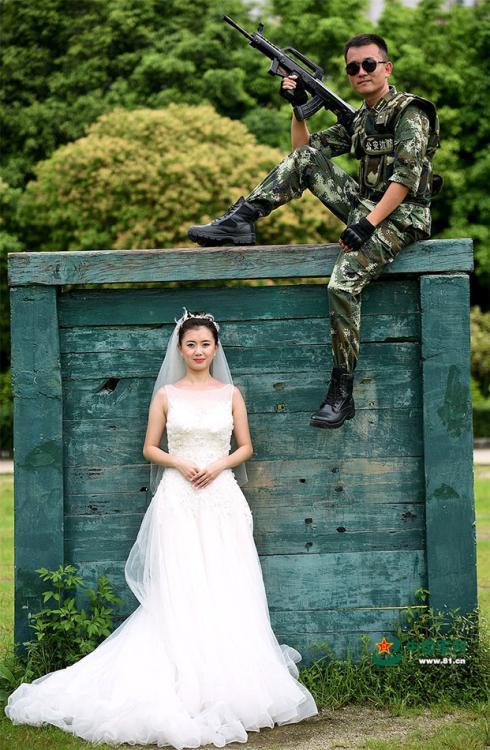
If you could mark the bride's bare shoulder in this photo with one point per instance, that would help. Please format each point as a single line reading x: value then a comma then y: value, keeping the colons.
x: 161, y: 398
x: 237, y: 396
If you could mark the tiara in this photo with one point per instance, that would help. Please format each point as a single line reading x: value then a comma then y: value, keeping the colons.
x: 187, y: 315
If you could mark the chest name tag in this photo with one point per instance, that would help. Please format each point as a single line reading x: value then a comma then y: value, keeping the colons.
x: 375, y: 145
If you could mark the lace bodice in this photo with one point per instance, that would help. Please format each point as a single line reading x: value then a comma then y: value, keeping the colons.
x: 200, y: 422
x: 199, y: 427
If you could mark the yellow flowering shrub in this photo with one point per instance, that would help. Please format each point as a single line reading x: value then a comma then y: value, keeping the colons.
x: 139, y: 178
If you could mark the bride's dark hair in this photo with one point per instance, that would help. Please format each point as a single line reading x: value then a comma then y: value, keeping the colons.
x: 191, y: 323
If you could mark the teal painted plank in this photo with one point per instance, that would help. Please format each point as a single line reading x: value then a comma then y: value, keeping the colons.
x: 103, y: 480
x: 448, y: 442
x: 262, y: 360
x: 372, y: 432
x: 121, y: 489
x: 38, y: 447
x: 342, y: 580
x: 157, y: 307
x: 391, y: 387
x: 313, y: 622
x: 182, y: 264
x: 248, y: 334
x: 342, y: 475
x: 297, y: 529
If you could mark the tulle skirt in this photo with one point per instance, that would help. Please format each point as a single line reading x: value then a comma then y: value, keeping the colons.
x: 197, y: 662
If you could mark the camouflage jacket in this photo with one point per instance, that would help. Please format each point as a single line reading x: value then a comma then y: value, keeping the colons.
x: 401, y: 152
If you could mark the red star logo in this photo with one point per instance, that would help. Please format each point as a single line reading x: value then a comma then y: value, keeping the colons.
x: 384, y: 647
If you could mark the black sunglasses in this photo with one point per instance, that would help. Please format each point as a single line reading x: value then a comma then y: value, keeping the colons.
x: 369, y: 64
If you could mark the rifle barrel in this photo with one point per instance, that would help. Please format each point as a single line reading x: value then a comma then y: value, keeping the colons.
x: 238, y: 27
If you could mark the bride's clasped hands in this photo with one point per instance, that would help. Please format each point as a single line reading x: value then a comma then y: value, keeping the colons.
x: 199, y: 477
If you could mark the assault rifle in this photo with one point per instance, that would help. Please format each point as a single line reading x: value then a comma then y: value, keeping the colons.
x: 283, y: 64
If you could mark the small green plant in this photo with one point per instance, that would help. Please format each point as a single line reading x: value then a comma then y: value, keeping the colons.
x: 64, y: 633
x: 335, y: 682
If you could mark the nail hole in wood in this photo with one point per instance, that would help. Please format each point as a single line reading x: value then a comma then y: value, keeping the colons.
x: 109, y: 386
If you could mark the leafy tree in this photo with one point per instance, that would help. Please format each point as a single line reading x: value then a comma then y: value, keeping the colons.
x: 441, y: 53
x: 64, y: 64
x: 140, y: 178
x: 63, y: 67
x: 10, y: 242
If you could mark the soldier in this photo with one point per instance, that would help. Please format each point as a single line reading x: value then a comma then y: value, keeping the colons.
x: 395, y: 136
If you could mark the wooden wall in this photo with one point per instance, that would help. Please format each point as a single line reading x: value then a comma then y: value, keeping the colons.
x: 348, y: 523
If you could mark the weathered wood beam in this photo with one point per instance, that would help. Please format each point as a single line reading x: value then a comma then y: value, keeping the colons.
x: 255, y: 262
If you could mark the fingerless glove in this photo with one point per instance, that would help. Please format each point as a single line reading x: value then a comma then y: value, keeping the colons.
x: 355, y: 235
x: 296, y: 97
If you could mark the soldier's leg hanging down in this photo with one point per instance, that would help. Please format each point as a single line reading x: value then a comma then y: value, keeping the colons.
x: 352, y: 272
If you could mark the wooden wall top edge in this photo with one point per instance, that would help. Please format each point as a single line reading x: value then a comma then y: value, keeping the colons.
x: 199, y: 264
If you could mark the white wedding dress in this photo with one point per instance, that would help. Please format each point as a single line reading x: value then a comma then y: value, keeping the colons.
x: 197, y: 662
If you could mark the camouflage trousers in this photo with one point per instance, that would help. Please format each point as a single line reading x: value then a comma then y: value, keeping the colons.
x: 308, y: 167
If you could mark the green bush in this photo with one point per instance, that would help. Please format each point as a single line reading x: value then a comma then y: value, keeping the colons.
x: 64, y: 634
x: 480, y: 349
x: 6, y: 412
x: 140, y: 178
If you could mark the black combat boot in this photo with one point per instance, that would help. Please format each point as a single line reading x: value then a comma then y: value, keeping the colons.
x: 235, y: 227
x: 338, y: 404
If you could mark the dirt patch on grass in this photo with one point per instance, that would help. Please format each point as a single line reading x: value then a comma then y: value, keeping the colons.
x: 344, y: 728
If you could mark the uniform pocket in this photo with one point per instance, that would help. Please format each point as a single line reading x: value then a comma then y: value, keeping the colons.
x: 378, y: 159
x: 412, y: 220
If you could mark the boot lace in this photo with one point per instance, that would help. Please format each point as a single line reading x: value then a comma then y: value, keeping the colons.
x: 228, y: 211
x: 334, y: 393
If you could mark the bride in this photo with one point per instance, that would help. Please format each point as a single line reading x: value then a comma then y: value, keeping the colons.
x: 197, y: 662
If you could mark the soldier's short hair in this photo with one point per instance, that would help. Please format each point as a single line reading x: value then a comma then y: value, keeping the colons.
x: 362, y: 39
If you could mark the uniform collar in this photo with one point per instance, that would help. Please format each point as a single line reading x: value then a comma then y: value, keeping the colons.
x: 382, y: 102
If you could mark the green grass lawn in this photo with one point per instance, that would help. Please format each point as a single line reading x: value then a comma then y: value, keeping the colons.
x: 468, y: 729
x: 482, y: 512
x: 6, y: 559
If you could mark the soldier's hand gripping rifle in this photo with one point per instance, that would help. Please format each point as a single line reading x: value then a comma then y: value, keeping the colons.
x: 283, y: 65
